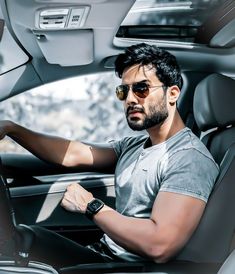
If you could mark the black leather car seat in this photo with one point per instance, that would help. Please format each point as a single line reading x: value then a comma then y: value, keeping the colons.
x: 214, y: 112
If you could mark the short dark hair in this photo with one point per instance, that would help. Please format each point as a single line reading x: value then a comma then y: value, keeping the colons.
x: 167, y: 68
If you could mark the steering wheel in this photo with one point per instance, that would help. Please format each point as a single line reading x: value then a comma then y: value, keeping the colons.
x: 15, y: 241
x: 7, y: 227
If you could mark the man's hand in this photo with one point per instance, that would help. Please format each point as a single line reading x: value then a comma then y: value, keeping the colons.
x: 76, y: 198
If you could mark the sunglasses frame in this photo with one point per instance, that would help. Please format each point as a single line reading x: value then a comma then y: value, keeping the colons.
x: 122, y: 90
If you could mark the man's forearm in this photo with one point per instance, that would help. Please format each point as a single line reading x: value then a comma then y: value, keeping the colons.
x: 49, y: 148
x: 134, y: 234
x: 173, y: 219
x: 141, y: 236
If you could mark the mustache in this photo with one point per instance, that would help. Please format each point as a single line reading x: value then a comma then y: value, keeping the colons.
x: 134, y: 108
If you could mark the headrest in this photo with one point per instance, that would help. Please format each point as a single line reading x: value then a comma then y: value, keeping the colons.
x: 214, y: 102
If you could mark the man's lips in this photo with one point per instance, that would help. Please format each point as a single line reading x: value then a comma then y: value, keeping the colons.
x: 134, y: 112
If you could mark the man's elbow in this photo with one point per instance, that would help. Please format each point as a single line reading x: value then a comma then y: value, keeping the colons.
x: 70, y: 160
x: 162, y: 253
x: 67, y: 163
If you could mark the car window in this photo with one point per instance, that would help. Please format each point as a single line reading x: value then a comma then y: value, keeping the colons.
x: 83, y: 108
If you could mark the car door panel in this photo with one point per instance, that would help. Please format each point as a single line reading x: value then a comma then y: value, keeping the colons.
x: 36, y: 190
x: 40, y: 204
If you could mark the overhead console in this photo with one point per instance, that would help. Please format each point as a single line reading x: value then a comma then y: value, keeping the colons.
x: 62, y: 36
x: 64, y: 32
x: 61, y: 18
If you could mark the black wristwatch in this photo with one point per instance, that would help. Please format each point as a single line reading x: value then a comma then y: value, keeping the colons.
x: 93, y: 207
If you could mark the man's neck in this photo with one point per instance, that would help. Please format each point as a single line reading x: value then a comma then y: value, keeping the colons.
x: 160, y: 133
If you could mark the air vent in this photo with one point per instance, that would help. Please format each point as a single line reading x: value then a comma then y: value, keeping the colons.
x: 62, y: 18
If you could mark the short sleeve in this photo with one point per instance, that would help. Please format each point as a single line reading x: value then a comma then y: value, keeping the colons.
x: 189, y: 172
x: 117, y: 146
x: 126, y: 143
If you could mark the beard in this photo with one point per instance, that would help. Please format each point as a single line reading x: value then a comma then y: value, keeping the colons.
x: 157, y: 115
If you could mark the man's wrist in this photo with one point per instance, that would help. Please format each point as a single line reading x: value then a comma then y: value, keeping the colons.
x: 8, y: 127
x: 93, y: 207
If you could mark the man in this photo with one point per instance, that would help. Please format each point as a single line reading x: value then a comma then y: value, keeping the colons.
x: 163, y: 180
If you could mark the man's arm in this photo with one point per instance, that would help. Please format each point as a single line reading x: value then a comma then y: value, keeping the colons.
x: 59, y: 150
x: 174, y: 218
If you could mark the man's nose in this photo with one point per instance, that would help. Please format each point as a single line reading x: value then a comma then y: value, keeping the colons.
x: 131, y: 98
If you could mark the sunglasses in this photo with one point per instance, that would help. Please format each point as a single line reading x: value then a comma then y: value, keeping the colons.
x: 140, y: 89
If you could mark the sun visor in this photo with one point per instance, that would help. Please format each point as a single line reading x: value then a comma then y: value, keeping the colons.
x: 66, y: 47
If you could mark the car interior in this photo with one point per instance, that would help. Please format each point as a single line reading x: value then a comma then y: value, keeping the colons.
x: 43, y: 41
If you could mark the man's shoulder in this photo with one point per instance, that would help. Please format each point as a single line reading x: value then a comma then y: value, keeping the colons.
x: 189, y: 148
x: 188, y: 167
x: 188, y: 142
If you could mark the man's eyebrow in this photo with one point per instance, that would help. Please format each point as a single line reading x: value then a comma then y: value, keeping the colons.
x: 143, y: 81
x: 146, y: 81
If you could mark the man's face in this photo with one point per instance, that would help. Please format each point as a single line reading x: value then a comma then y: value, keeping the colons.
x: 144, y: 113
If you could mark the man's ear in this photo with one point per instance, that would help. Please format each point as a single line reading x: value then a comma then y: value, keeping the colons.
x: 173, y: 93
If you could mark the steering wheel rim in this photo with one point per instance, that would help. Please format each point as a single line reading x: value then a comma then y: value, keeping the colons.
x: 7, y: 223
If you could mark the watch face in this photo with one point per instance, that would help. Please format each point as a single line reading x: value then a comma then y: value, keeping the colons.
x: 95, y: 205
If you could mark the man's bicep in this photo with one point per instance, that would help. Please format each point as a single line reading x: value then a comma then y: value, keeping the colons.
x: 104, y: 157
x: 91, y: 156
x: 178, y: 215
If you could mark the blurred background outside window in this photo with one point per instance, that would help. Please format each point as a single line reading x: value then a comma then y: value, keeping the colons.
x: 83, y: 108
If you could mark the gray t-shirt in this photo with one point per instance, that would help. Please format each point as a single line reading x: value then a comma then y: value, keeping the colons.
x: 181, y: 164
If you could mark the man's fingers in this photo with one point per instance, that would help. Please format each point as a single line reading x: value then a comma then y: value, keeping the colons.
x: 76, y: 198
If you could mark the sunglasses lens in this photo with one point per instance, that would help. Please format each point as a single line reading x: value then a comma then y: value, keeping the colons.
x: 122, y: 91
x: 140, y: 89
